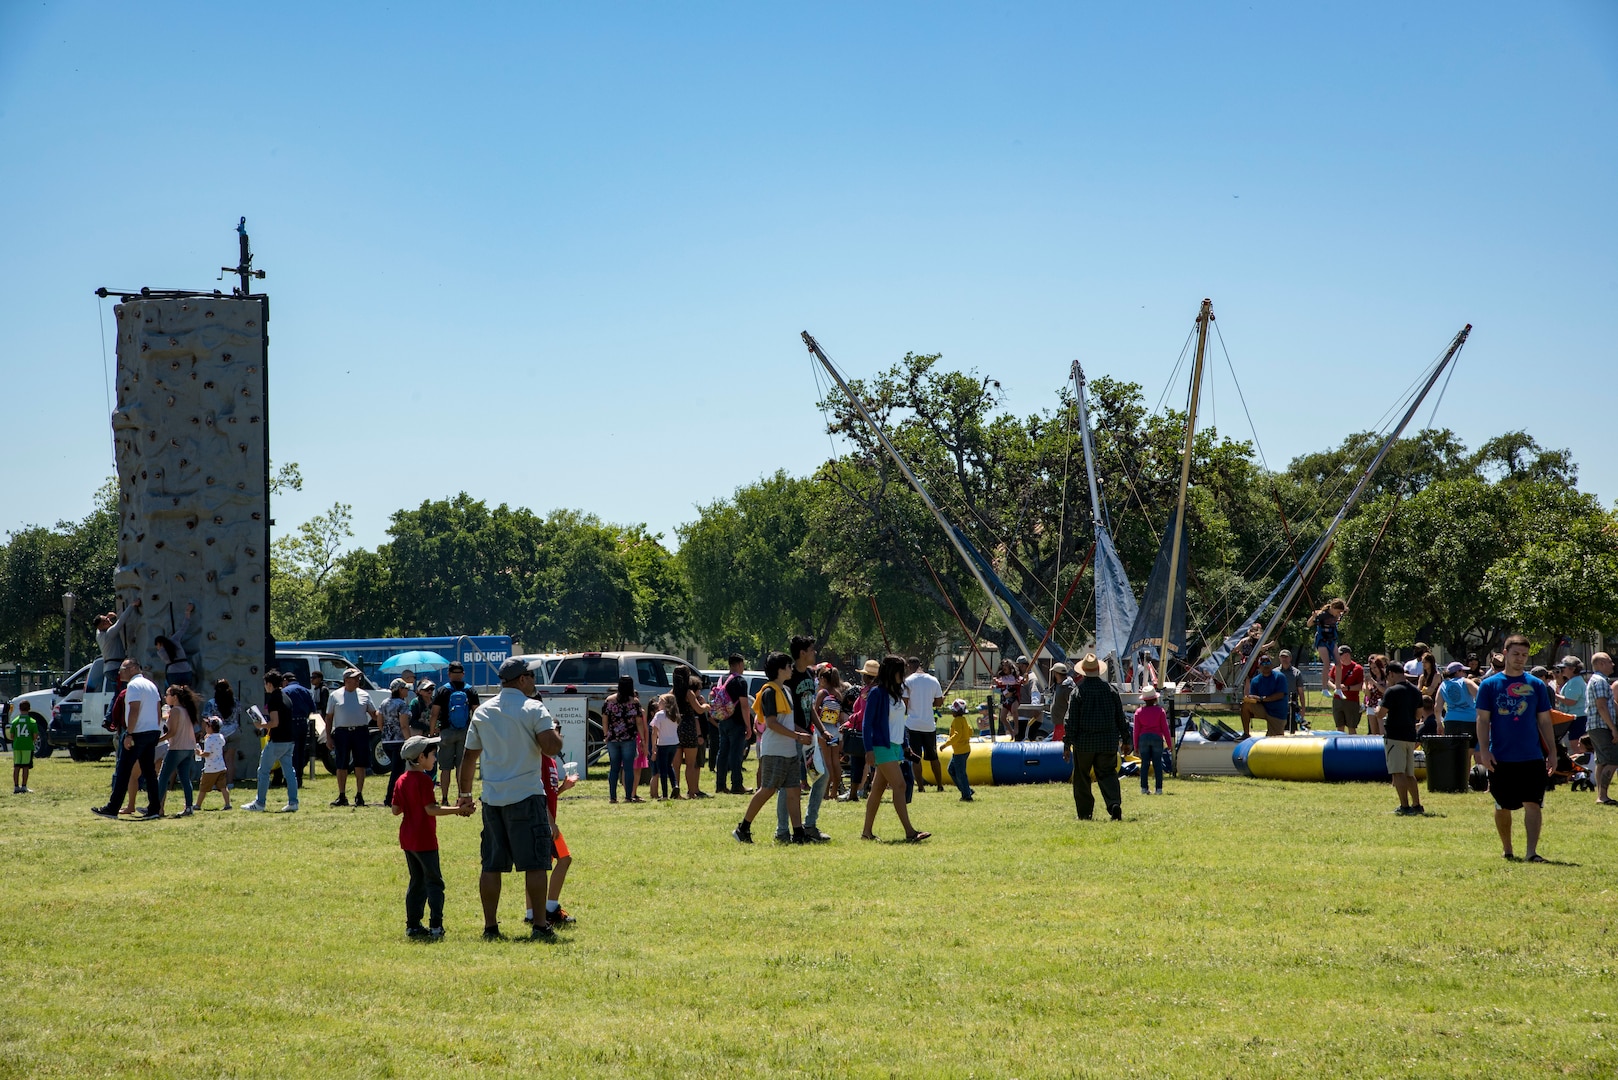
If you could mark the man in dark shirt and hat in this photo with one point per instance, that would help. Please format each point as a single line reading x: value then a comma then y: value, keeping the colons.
x: 1095, y: 729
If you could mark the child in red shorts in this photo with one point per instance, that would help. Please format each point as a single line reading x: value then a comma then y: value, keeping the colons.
x: 555, y: 783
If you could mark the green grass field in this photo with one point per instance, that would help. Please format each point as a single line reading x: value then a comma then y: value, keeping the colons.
x: 1229, y: 928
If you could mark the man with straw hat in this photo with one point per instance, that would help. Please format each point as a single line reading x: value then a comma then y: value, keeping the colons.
x: 1095, y: 729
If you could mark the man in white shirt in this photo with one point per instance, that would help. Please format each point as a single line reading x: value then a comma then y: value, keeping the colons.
x: 143, y: 727
x: 511, y: 735
x: 350, y: 717
x: 923, y: 694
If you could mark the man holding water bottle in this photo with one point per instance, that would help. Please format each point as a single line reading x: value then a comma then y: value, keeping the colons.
x: 511, y: 735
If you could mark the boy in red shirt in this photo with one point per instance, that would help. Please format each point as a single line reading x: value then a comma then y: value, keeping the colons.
x: 550, y: 772
x: 416, y: 802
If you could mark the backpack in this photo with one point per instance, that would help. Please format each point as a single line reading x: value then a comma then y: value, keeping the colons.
x: 459, y: 709
x: 781, y: 698
x: 720, y: 701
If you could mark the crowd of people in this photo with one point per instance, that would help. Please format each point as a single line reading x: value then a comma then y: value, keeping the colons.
x: 1527, y: 729
x: 818, y: 734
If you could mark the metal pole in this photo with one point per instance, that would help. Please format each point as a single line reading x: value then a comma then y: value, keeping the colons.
x: 1283, y: 609
x: 1089, y: 450
x: 1204, y: 317
x: 67, y: 633
x: 943, y: 522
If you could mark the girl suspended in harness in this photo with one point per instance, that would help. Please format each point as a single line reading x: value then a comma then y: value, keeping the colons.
x: 1325, y: 623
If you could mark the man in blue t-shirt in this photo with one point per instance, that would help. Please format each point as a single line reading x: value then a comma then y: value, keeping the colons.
x: 1514, y: 735
x: 1266, y: 696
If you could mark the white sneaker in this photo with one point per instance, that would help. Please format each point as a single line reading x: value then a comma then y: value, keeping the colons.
x: 293, y: 809
x: 254, y: 806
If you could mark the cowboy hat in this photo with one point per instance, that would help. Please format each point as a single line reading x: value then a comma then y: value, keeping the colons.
x: 1090, y: 665
x: 1149, y: 694
x: 872, y: 668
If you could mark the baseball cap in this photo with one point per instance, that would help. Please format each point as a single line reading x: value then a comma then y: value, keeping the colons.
x: 417, y: 745
x: 958, y: 706
x: 352, y: 673
x: 1454, y: 667
x: 398, y: 684
x: 512, y: 669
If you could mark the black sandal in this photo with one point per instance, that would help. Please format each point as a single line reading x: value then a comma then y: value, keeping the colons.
x: 1536, y: 857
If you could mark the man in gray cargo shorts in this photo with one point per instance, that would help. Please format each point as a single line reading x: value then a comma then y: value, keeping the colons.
x: 1603, y: 729
x: 512, y: 735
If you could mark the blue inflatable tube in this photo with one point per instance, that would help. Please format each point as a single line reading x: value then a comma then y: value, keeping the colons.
x: 1238, y: 756
x: 1354, y: 757
x: 1028, y: 763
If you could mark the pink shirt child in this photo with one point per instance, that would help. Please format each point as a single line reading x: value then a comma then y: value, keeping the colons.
x: 1151, y: 720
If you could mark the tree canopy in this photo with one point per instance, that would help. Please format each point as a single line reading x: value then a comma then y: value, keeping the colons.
x: 1448, y: 545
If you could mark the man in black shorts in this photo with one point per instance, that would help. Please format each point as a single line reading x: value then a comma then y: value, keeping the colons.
x: 510, y: 737
x: 1514, y: 736
x: 923, y: 694
x: 350, y: 718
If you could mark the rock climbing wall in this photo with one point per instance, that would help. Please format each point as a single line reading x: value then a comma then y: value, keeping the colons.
x: 189, y: 431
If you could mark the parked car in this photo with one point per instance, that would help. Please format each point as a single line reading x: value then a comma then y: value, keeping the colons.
x: 542, y: 664
x: 755, y: 680
x: 300, y: 663
x: 44, y: 703
x: 596, y: 674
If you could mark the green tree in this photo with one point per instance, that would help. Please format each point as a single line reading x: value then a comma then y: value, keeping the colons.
x: 1464, y: 562
x: 301, y: 565
x: 38, y: 565
x: 581, y: 595
x: 753, y: 585
x: 660, y: 595
x: 1562, y: 579
x: 1016, y: 487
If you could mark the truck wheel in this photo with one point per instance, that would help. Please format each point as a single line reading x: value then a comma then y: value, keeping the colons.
x: 44, y: 749
x: 78, y: 754
x: 380, y: 762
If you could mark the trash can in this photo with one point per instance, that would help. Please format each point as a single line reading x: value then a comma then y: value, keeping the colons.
x: 1448, y: 761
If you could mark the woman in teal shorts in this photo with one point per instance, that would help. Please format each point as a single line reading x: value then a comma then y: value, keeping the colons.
x: 884, y: 745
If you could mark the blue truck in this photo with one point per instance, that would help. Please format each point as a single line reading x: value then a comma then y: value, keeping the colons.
x: 480, y: 654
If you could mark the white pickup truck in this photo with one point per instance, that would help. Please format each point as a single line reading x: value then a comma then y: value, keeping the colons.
x: 596, y: 674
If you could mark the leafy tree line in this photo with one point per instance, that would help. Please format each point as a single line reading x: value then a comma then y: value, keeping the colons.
x: 1449, y: 545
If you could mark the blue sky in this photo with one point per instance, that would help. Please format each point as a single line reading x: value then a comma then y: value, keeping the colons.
x: 559, y: 255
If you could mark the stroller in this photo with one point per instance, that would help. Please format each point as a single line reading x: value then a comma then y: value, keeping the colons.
x: 1582, y: 778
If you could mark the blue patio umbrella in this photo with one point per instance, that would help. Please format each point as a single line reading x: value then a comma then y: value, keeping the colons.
x: 415, y: 660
